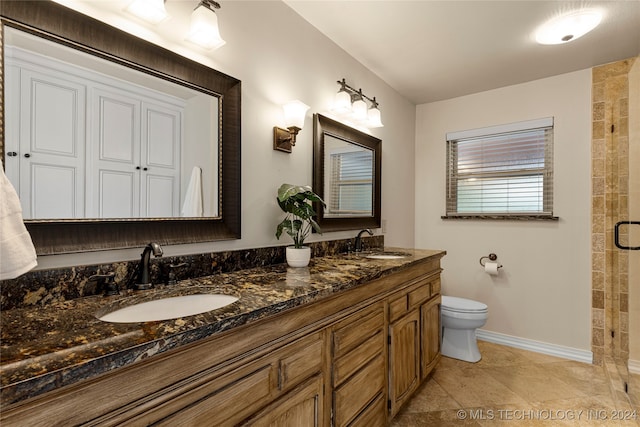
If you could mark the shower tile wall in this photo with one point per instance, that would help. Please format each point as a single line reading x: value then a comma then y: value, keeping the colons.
x: 610, y: 189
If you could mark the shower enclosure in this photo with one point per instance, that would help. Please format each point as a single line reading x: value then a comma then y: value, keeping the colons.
x: 616, y: 225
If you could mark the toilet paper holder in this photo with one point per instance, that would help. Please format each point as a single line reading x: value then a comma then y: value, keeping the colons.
x: 490, y: 257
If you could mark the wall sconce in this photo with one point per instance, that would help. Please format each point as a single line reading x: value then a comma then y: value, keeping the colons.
x: 294, y: 115
x: 350, y: 104
x: 204, y: 25
x: 152, y: 11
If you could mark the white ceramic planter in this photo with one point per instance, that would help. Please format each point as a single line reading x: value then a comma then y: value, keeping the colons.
x: 298, y: 257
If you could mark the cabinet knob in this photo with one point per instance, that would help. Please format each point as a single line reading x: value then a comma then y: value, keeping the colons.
x: 27, y: 155
x: 12, y: 154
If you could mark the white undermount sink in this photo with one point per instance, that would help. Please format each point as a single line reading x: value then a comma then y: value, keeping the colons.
x: 384, y: 256
x: 169, y: 308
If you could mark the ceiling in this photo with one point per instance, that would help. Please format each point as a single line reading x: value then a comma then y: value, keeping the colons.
x: 434, y: 50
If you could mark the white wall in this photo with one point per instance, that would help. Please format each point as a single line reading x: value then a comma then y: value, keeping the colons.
x: 543, y: 291
x: 279, y: 57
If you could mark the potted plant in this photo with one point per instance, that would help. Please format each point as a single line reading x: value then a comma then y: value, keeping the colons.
x: 295, y: 201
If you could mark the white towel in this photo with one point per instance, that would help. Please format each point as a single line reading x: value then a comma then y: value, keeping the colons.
x: 17, y: 254
x: 192, y: 205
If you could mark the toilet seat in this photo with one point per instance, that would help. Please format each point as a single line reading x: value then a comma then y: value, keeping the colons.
x: 462, y: 305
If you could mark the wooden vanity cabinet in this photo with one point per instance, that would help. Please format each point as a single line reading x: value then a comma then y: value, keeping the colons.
x: 414, y: 338
x: 351, y: 359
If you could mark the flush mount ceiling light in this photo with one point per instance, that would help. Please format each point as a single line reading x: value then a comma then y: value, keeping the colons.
x: 152, y: 11
x: 350, y: 105
x: 204, y: 25
x: 568, y: 27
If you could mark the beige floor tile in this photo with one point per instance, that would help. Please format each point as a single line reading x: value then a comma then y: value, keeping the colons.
x: 448, y: 363
x: 498, y: 355
x: 474, y: 387
x: 634, y: 390
x: 433, y: 419
x: 589, y: 379
x: 533, y: 383
x: 430, y: 397
x: 514, y: 387
x: 533, y: 357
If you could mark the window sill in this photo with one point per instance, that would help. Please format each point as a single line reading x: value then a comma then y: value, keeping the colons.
x: 499, y: 217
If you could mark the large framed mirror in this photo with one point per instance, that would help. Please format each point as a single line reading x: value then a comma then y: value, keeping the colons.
x: 347, y: 175
x: 128, y: 142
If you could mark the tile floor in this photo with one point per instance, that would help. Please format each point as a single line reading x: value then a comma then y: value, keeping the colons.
x: 515, y: 387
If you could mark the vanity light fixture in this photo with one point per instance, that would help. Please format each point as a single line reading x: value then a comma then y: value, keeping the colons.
x: 204, y: 25
x: 350, y: 105
x: 152, y: 11
x: 294, y: 115
x: 568, y: 27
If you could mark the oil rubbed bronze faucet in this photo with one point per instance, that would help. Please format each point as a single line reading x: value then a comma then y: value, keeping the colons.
x: 358, y: 243
x: 144, y: 282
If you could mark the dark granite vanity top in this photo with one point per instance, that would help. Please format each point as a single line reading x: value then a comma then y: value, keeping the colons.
x: 44, y: 348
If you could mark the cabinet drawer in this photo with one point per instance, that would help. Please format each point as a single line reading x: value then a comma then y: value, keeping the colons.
x: 374, y: 416
x: 346, y: 365
x: 419, y: 295
x: 221, y: 402
x: 358, y: 328
x: 354, y: 395
x: 303, y: 359
x: 435, y: 287
x: 398, y: 307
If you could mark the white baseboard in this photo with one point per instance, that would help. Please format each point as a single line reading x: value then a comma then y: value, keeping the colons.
x: 537, y: 346
x: 634, y: 366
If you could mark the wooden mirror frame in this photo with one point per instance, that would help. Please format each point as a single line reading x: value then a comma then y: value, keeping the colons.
x: 63, y: 25
x: 323, y: 125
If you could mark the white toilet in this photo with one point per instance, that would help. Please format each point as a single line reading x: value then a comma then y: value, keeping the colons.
x: 460, y: 318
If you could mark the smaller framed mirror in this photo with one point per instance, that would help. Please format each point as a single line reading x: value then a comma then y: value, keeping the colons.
x: 347, y: 167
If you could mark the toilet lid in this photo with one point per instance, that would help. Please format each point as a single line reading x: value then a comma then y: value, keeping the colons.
x: 462, y: 304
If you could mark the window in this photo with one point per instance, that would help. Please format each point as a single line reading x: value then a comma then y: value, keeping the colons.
x: 501, y: 171
x: 350, y: 189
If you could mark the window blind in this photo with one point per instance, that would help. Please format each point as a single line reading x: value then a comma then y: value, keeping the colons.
x: 351, y: 184
x: 501, y: 171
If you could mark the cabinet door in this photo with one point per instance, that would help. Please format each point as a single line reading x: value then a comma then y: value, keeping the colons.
x: 301, y: 407
x: 430, y: 328
x: 404, y: 359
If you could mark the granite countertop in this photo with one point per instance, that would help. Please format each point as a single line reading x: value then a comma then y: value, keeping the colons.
x: 48, y: 347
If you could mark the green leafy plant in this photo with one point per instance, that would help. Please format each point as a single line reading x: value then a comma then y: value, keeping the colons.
x: 296, y: 201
